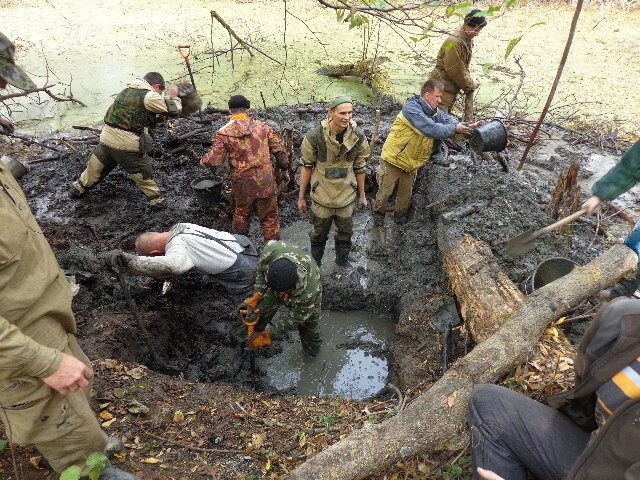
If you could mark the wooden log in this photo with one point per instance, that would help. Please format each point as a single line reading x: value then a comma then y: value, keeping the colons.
x: 437, y: 419
x: 487, y: 297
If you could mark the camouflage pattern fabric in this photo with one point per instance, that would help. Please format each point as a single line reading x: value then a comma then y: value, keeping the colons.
x: 247, y: 145
x: 127, y: 112
x: 246, y: 203
x: 305, y: 302
x: 9, y: 71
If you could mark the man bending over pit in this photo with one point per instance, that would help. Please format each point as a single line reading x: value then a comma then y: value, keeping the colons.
x: 230, y: 259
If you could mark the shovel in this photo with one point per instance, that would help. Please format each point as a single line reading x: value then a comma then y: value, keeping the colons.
x: 525, y: 242
x: 185, y: 57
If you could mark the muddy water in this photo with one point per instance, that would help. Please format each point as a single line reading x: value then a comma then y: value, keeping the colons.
x: 352, y: 363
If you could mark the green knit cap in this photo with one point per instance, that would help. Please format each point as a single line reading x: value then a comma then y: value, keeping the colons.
x: 338, y: 100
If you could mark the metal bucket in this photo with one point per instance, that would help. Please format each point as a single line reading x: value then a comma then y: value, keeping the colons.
x: 191, y: 101
x: 16, y: 167
x: 208, y: 190
x: 548, y: 271
x: 490, y: 137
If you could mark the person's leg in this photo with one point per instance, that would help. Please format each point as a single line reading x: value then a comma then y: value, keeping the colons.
x: 310, y: 336
x: 267, y: 209
x: 321, y: 220
x: 99, y: 165
x: 387, y: 179
x: 403, y: 195
x: 239, y: 279
x: 243, y: 206
x: 512, y: 434
x: 139, y: 168
x: 344, y: 231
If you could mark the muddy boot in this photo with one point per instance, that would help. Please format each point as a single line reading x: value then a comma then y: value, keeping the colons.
x: 76, y: 191
x: 157, y: 204
x: 401, y: 219
x: 317, y: 251
x: 342, y: 253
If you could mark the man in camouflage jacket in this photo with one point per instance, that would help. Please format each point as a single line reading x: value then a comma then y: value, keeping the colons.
x: 288, y: 276
x: 247, y: 144
x: 124, y: 139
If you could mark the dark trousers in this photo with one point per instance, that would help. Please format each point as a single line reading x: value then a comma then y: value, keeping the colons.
x: 512, y: 434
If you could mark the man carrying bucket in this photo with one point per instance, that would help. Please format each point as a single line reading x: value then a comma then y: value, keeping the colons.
x: 409, y: 145
x: 247, y: 144
x: 230, y: 259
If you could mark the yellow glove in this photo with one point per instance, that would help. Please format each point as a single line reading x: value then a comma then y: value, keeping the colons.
x: 259, y: 340
x: 253, y: 301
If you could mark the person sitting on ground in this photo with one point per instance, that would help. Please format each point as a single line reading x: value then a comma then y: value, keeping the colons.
x: 589, y: 431
x: 45, y: 377
x: 408, y: 147
x: 287, y: 276
x: 125, y: 140
x: 247, y: 145
x: 619, y: 179
x: 229, y: 258
x: 334, y: 157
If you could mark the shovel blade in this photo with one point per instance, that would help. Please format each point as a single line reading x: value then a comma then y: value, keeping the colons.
x: 523, y: 243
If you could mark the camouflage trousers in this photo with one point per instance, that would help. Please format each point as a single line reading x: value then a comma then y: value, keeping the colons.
x: 323, y: 217
x: 265, y: 208
x: 390, y: 176
x: 63, y: 428
x: 309, y: 330
x: 104, y: 159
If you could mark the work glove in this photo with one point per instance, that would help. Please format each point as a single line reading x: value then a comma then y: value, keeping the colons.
x: 633, y: 240
x: 6, y: 127
x: 113, y: 259
x: 252, y: 302
x: 259, y: 339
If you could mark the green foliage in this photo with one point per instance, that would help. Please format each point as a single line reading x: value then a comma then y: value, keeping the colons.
x: 95, y: 464
x: 3, y: 444
x: 486, y: 67
x: 453, y: 9
x: 461, y: 470
x: 514, y: 41
x: 328, y: 420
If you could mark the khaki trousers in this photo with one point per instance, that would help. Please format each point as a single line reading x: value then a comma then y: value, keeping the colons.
x: 323, y: 217
x: 388, y: 177
x: 62, y: 427
x: 104, y: 159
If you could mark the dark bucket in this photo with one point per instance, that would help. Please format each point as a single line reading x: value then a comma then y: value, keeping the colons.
x: 548, y: 271
x: 208, y: 190
x: 490, y: 137
x: 191, y: 101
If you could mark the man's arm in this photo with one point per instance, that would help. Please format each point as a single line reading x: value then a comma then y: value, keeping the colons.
x: 21, y: 356
x: 621, y: 177
x: 359, y: 166
x: 308, y: 163
x: 217, y: 154
x: 169, y: 105
x: 175, y: 262
x: 425, y: 124
x: 456, y: 67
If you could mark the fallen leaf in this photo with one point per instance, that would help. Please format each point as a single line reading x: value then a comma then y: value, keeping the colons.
x: 35, y: 462
x: 136, y: 407
x: 151, y: 460
x: 136, y: 373
x: 451, y: 399
x: 105, y: 415
x: 108, y: 423
x: 178, y: 416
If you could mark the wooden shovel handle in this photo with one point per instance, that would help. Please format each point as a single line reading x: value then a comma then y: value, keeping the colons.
x: 185, y: 56
x: 563, y: 221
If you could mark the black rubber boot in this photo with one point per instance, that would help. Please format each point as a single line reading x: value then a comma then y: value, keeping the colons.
x: 378, y: 220
x: 342, y: 253
x: 317, y: 251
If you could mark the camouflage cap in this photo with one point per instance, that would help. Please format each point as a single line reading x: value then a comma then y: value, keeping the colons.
x: 9, y: 71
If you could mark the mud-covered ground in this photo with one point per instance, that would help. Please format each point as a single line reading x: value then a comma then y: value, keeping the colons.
x: 207, y: 423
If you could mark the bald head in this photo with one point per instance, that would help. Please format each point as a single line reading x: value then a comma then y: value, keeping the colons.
x: 152, y: 243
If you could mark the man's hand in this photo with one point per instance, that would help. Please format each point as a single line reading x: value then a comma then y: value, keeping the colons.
x: 488, y: 474
x: 302, y: 205
x: 592, y: 205
x: 474, y: 84
x: 362, y: 202
x: 173, y: 91
x: 6, y: 127
x: 71, y: 376
x: 113, y: 259
x: 464, y: 129
x: 253, y: 301
x: 259, y: 340
x: 633, y: 240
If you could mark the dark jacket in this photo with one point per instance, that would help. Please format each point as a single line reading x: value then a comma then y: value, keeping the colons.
x: 621, y: 177
x: 610, y: 344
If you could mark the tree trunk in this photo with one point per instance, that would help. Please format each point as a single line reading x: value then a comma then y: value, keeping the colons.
x: 487, y: 297
x: 436, y: 419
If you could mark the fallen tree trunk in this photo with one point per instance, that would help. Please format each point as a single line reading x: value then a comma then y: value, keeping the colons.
x: 436, y: 419
x: 487, y: 297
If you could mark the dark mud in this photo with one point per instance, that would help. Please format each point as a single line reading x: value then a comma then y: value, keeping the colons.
x: 192, y: 325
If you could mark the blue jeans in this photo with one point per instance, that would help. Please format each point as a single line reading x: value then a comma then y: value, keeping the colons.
x: 512, y: 434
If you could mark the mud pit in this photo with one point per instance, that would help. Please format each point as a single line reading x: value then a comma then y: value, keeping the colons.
x: 192, y: 325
